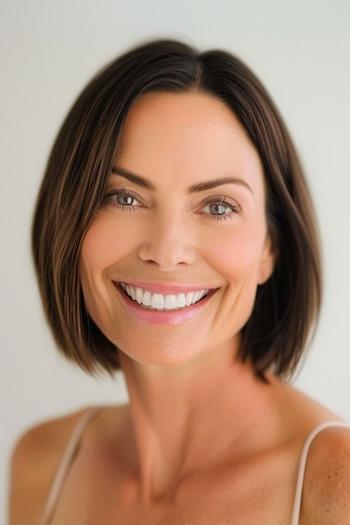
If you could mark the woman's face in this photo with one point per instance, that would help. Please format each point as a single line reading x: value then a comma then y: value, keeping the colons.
x: 174, y: 236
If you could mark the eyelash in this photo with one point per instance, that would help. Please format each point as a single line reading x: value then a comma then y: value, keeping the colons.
x: 221, y: 199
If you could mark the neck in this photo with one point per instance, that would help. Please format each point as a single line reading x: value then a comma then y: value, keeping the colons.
x: 191, y: 417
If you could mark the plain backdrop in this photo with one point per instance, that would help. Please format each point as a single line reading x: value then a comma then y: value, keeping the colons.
x: 49, y: 50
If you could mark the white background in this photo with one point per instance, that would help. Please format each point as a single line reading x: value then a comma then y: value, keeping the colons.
x: 49, y: 50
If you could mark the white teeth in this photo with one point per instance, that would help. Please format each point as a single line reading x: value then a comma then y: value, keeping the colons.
x: 189, y: 298
x: 138, y: 295
x: 159, y: 301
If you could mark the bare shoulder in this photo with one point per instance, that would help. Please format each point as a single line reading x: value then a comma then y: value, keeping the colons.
x: 326, y: 485
x: 34, y: 460
x: 326, y: 493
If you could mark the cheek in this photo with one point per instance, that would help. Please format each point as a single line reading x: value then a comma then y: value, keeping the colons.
x: 99, y: 251
x: 104, y: 243
x: 235, y: 254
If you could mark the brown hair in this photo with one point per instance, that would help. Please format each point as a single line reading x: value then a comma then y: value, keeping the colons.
x: 287, y: 306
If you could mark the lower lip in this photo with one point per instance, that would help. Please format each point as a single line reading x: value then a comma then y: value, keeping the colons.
x: 172, y: 317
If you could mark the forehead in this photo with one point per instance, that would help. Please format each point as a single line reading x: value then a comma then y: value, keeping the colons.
x: 190, y: 136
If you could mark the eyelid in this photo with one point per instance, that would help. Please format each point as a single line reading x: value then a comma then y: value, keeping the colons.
x: 225, y: 198
x: 232, y: 204
x: 228, y: 198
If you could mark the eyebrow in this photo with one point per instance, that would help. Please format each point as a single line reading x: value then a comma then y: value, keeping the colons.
x: 201, y: 186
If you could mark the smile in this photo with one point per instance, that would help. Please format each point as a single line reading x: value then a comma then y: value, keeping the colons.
x: 158, y: 301
x: 163, y: 309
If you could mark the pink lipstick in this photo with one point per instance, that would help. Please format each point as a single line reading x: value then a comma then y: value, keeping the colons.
x: 172, y: 317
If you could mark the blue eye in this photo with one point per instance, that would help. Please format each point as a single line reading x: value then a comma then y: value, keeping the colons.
x: 222, y: 203
x: 120, y: 195
x: 115, y: 198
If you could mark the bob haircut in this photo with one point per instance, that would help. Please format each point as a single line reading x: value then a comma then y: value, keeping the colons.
x: 286, y: 307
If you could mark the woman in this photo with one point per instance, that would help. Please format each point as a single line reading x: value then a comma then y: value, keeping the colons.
x: 204, y: 294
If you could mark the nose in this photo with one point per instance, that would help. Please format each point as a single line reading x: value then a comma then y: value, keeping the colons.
x: 168, y: 243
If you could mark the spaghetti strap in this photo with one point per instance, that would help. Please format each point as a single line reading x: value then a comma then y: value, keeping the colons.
x: 65, y: 462
x: 73, y: 442
x: 302, y: 463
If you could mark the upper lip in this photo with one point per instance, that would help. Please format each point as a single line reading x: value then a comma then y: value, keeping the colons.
x: 167, y: 288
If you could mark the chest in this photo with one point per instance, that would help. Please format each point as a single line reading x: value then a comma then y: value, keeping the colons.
x: 259, y: 491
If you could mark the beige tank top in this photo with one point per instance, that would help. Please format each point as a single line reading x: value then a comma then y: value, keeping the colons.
x: 71, y: 448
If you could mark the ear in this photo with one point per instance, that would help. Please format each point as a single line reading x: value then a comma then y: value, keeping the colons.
x: 268, y: 260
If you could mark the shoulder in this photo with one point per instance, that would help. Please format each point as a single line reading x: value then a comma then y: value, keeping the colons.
x: 34, y: 459
x: 326, y: 485
x: 326, y: 492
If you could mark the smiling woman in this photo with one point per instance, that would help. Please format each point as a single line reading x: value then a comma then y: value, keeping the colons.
x: 223, y: 124
x: 206, y: 296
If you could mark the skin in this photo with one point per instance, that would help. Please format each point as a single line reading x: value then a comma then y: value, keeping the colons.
x: 201, y: 439
x: 191, y: 403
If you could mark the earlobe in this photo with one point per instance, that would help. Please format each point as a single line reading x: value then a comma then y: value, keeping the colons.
x: 268, y: 262
x: 266, y: 272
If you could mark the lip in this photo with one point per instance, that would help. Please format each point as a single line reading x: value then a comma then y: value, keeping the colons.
x: 170, y: 317
x: 167, y: 288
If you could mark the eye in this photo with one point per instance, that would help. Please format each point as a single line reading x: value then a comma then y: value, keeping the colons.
x: 116, y: 198
x: 221, y: 203
x: 122, y: 199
